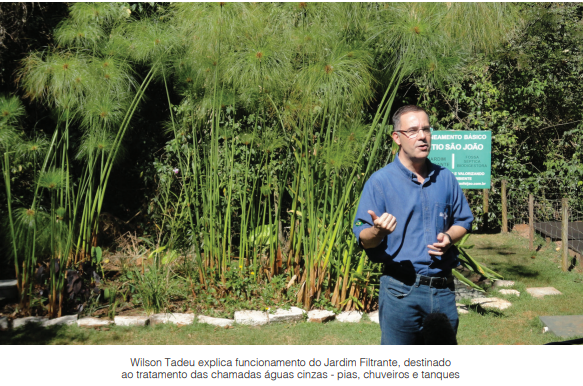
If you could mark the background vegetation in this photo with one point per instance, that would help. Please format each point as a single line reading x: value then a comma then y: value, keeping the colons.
x: 518, y: 324
x: 229, y: 142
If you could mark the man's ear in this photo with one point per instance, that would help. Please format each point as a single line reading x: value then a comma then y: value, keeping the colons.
x: 396, y: 138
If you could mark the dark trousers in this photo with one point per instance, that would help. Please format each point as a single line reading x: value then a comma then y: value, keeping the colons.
x: 403, y: 307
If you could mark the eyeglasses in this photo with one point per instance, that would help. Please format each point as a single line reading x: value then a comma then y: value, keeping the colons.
x: 413, y: 133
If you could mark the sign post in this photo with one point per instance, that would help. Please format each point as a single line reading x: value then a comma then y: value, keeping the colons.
x: 467, y: 154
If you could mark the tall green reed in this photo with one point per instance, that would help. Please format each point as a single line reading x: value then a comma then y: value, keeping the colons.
x: 270, y: 130
x: 91, y: 86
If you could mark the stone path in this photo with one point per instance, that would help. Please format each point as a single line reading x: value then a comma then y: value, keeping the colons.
x: 177, y: 319
x: 463, y: 291
x: 462, y: 308
x: 131, y: 320
x: 93, y: 322
x: 493, y: 303
x: 219, y: 322
x: 320, y: 316
x: 64, y: 320
x: 294, y: 314
x: 564, y: 326
x: 29, y: 319
x: 252, y: 318
x: 573, y: 325
x: 374, y: 317
x: 503, y: 283
x: 541, y: 292
x: 509, y: 292
x: 349, y: 317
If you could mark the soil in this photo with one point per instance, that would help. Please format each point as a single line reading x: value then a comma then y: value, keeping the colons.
x: 522, y: 230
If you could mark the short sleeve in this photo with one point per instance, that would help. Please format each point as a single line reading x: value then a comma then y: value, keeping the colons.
x: 372, y: 198
x: 462, y: 214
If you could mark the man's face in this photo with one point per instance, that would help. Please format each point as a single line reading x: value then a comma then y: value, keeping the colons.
x: 416, y: 149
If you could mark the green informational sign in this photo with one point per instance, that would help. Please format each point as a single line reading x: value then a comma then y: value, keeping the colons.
x: 467, y: 154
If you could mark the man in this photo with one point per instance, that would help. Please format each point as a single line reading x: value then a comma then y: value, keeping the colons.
x: 411, y: 212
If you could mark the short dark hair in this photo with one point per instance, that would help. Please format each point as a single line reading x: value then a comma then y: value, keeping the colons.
x: 403, y: 110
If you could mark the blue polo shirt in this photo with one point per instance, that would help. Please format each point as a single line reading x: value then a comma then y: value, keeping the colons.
x: 422, y: 211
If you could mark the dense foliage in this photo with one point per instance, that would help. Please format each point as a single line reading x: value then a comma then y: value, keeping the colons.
x: 245, y: 132
x: 528, y: 94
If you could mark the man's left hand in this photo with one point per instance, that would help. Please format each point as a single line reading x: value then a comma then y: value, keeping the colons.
x: 441, y: 246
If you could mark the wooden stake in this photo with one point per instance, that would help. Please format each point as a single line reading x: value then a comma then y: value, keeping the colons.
x: 531, y: 222
x: 565, y: 235
x: 504, y: 208
x: 485, y: 216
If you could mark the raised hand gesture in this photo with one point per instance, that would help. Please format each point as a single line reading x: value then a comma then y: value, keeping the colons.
x: 385, y: 224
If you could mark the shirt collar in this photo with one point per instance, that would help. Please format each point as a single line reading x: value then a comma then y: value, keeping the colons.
x: 409, y: 174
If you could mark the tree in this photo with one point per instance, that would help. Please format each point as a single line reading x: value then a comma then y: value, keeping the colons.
x: 527, y: 93
x: 266, y: 111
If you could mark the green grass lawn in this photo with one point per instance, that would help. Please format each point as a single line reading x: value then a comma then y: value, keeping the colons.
x: 333, y: 333
x: 519, y: 324
x: 506, y: 254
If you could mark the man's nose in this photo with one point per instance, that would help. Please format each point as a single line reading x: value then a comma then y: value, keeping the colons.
x: 421, y: 134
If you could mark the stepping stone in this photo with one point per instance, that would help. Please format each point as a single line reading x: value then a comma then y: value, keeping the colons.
x: 177, y: 319
x: 374, y: 317
x: 251, y: 318
x: 292, y: 315
x: 509, y: 292
x: 8, y: 289
x: 497, y: 303
x: 62, y: 321
x: 564, y: 326
x: 463, y: 291
x: 91, y: 322
x: 131, y: 320
x: 462, y: 308
x: 503, y: 283
x: 3, y: 323
x: 541, y: 292
x: 349, y: 317
x: 29, y: 319
x: 320, y: 316
x: 219, y: 322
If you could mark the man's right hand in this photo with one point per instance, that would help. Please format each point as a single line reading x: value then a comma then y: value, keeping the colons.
x: 383, y: 225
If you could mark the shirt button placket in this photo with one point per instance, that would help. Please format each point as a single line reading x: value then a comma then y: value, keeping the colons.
x: 426, y: 220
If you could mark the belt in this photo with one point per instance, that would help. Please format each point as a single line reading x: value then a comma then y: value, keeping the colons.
x: 409, y: 277
x: 435, y: 281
